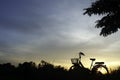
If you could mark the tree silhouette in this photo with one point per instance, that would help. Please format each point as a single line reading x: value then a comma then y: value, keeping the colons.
x: 110, y: 10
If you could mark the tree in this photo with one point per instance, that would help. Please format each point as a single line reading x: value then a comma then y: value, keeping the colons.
x: 110, y: 10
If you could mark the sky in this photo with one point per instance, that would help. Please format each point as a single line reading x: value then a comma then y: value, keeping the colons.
x: 54, y: 31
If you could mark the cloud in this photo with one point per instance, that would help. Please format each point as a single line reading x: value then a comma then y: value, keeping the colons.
x: 57, y: 25
x: 18, y: 16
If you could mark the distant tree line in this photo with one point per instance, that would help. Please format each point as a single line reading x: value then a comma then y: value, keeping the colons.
x: 47, y: 71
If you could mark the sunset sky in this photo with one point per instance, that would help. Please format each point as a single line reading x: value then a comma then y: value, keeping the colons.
x: 54, y: 31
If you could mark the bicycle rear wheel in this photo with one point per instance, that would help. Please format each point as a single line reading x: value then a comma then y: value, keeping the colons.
x: 100, y: 69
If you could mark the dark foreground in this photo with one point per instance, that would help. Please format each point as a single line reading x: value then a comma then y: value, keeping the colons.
x: 46, y: 71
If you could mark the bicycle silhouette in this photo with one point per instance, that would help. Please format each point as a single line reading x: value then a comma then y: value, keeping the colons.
x: 94, y: 68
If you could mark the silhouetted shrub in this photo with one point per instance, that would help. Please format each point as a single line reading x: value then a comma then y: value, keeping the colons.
x: 115, y: 74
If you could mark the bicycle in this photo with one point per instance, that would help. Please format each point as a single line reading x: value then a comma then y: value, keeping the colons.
x: 94, y: 68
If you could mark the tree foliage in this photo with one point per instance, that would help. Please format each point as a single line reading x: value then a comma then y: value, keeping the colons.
x: 110, y: 10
